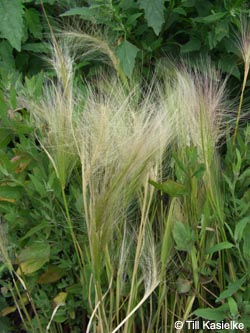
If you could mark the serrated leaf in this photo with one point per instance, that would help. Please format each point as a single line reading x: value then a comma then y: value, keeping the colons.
x: 219, y: 247
x: 11, y: 22
x: 193, y: 45
x: 183, y: 236
x: 154, y: 13
x: 126, y: 53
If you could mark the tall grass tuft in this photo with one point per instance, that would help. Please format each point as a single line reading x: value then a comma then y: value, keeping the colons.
x: 119, y: 139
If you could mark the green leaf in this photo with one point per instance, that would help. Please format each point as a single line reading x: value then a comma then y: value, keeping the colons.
x: 11, y: 22
x: 32, y: 258
x: 85, y: 12
x: 133, y: 18
x: 232, y: 288
x: 193, y: 45
x: 33, y: 22
x: 6, y: 55
x: 51, y: 2
x: 183, y: 236
x: 210, y: 314
x: 199, y: 172
x: 219, y: 247
x: 126, y: 52
x: 240, y: 227
x: 233, y: 307
x: 10, y: 193
x: 170, y: 187
x: 210, y: 18
x: 246, y: 243
x: 38, y: 185
x: 36, y: 47
x: 180, y: 10
x: 154, y: 13
x: 34, y: 230
x: 52, y: 274
x: 228, y: 64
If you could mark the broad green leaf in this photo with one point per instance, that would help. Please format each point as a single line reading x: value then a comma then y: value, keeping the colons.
x: 219, y: 247
x: 32, y: 258
x: 183, y: 236
x: 232, y: 288
x: 154, y: 13
x: 126, y: 53
x: 170, y: 187
x: 11, y: 22
x: 193, y: 45
x: 210, y: 18
x: 211, y: 314
x: 33, y: 22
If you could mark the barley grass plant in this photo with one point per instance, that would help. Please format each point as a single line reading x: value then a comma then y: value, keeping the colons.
x: 119, y: 141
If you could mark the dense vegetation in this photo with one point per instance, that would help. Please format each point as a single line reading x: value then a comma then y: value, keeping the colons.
x: 124, y: 165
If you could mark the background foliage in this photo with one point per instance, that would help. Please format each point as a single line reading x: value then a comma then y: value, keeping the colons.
x: 141, y: 34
